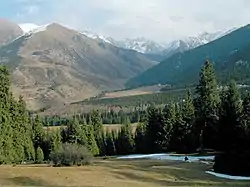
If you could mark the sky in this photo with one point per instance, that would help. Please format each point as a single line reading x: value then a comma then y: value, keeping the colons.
x: 159, y: 20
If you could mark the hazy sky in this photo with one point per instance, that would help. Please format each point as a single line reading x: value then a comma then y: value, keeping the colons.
x: 160, y: 20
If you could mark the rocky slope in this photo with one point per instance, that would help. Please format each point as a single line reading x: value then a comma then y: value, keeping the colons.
x: 53, y: 65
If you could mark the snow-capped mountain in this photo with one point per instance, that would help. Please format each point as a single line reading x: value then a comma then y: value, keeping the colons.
x: 193, y: 42
x: 27, y: 27
x: 141, y: 45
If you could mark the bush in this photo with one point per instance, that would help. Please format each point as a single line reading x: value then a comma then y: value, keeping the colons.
x: 39, y: 156
x: 71, y: 155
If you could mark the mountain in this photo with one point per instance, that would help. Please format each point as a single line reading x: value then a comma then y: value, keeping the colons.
x: 53, y: 64
x: 141, y: 44
x: 27, y: 27
x: 8, y: 31
x: 179, y: 46
x: 229, y: 53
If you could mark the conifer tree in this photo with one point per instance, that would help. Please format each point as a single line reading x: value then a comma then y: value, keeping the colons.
x: 92, y: 145
x: 111, y: 150
x: 155, y: 125
x: 126, y: 140
x: 6, y: 131
x: 170, y: 115
x: 230, y: 128
x: 191, y: 141
x: 38, y: 132
x: 39, y: 155
x: 96, y: 122
x: 207, y: 102
x: 140, y: 139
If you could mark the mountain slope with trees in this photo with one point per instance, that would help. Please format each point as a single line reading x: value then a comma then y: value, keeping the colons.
x: 228, y: 53
x: 53, y: 64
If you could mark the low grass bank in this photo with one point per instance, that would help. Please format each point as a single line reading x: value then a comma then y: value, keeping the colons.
x: 114, y: 173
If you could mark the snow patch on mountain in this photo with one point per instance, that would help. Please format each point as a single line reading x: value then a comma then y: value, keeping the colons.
x: 193, y: 42
x: 27, y: 27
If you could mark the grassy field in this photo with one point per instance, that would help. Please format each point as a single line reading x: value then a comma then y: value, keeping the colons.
x: 115, y: 127
x: 113, y: 173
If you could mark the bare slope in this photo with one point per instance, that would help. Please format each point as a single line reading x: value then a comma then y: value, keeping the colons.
x: 54, y: 65
x: 8, y: 31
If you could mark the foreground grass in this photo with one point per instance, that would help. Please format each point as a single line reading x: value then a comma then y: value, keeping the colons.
x: 113, y: 173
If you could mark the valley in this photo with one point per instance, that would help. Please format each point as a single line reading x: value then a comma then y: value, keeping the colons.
x: 74, y: 104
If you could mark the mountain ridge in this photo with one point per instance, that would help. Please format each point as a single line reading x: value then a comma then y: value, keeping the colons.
x: 183, y: 67
x: 53, y: 64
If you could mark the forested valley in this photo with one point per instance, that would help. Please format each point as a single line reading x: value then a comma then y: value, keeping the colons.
x: 211, y: 118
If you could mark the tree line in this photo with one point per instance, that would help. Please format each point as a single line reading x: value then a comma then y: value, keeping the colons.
x: 213, y: 117
x: 112, y: 116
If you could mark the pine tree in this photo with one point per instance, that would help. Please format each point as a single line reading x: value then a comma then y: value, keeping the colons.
x: 140, y: 139
x: 154, y: 127
x: 111, y: 150
x: 126, y: 139
x: 230, y: 128
x: 26, y: 130
x: 92, y: 145
x: 191, y: 142
x: 75, y: 133
x: 207, y: 103
x: 96, y: 122
x: 39, y: 156
x: 38, y: 132
x: 169, y: 123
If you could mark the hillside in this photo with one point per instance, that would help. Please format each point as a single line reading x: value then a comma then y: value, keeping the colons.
x: 8, y: 31
x: 54, y: 65
x: 229, y: 53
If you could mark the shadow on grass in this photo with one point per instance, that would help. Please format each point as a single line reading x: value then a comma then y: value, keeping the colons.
x: 26, y: 181
x: 181, y: 174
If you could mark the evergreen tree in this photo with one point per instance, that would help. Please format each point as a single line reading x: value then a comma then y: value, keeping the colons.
x: 207, y: 103
x: 230, y: 129
x: 74, y: 133
x: 92, y: 145
x: 6, y: 131
x: 191, y: 141
x: 155, y: 125
x: 25, y: 129
x: 140, y: 139
x: 125, y: 139
x: 166, y: 132
x: 98, y: 127
x: 111, y: 150
x: 39, y: 156
x: 38, y: 132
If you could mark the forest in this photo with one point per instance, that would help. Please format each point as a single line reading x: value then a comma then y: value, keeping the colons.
x: 210, y: 118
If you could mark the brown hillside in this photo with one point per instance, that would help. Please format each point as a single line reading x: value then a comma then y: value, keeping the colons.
x: 55, y: 65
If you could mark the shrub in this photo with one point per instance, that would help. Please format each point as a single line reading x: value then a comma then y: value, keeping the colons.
x: 71, y: 155
x: 39, y: 156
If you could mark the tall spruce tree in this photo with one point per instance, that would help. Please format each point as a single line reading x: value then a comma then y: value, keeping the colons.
x: 207, y: 102
x: 125, y: 138
x: 111, y: 150
x: 96, y: 122
x: 230, y: 128
x: 38, y: 132
x: 166, y: 132
x: 154, y: 129
x: 188, y: 116
x: 6, y: 141
x: 140, y: 139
